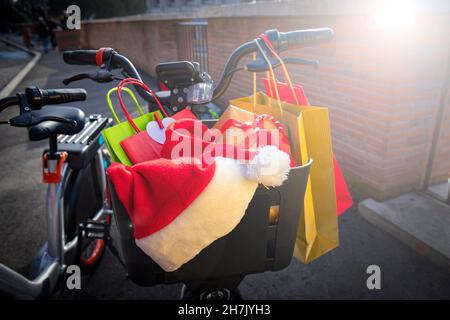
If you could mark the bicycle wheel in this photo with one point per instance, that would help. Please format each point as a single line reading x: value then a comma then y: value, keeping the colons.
x: 92, y: 251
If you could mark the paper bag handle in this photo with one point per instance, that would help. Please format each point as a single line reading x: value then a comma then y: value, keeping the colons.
x: 283, y: 67
x: 272, y: 73
x: 133, y: 97
x: 139, y: 83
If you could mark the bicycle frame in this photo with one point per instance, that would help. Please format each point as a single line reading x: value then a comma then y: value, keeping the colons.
x: 57, y: 253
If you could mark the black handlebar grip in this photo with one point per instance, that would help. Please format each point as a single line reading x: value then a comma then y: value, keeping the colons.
x: 38, y: 98
x: 80, y: 57
x: 57, y: 96
x: 307, y: 37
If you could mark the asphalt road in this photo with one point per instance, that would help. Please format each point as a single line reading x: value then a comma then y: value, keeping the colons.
x: 11, y: 62
x: 340, y: 274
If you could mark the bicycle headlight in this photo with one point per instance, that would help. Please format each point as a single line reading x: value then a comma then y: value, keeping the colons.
x: 202, y: 92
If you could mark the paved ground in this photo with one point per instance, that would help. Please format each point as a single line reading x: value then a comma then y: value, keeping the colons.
x: 12, y: 61
x: 404, y: 218
x: 341, y: 274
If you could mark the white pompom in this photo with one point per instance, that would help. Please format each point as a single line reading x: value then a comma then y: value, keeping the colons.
x: 269, y: 167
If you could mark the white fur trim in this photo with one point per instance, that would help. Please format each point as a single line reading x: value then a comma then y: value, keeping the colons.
x: 212, y: 215
x: 270, y: 166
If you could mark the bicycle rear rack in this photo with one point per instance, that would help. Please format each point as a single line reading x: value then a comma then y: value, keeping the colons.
x: 84, y: 145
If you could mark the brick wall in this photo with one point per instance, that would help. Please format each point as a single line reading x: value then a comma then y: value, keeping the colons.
x: 382, y: 91
x: 146, y: 43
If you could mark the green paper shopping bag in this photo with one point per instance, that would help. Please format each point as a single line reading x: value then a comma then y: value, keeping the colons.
x: 115, y: 135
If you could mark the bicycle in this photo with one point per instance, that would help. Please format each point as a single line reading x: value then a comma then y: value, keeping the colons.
x: 76, y: 157
x: 73, y: 167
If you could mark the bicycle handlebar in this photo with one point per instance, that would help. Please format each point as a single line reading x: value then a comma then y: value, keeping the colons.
x: 300, y: 38
x: 37, y: 98
x: 89, y: 57
x: 8, y: 102
x: 282, y: 41
x: 80, y: 57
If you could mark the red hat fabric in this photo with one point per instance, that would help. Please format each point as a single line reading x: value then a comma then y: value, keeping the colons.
x: 179, y: 206
x: 191, y: 139
x: 155, y: 192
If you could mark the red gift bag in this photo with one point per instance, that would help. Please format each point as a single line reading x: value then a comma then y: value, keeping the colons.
x: 295, y: 94
x: 141, y: 147
x: 285, y: 92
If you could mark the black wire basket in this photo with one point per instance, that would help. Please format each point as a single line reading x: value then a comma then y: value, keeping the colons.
x: 263, y: 240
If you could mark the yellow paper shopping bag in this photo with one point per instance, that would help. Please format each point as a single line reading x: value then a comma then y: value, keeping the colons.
x: 310, y: 137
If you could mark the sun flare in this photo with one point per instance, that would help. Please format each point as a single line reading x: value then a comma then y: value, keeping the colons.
x: 395, y: 16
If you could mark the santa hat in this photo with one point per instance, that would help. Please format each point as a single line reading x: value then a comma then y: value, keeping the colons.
x: 180, y: 207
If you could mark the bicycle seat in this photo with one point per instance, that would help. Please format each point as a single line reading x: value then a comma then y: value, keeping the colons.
x: 55, y: 120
